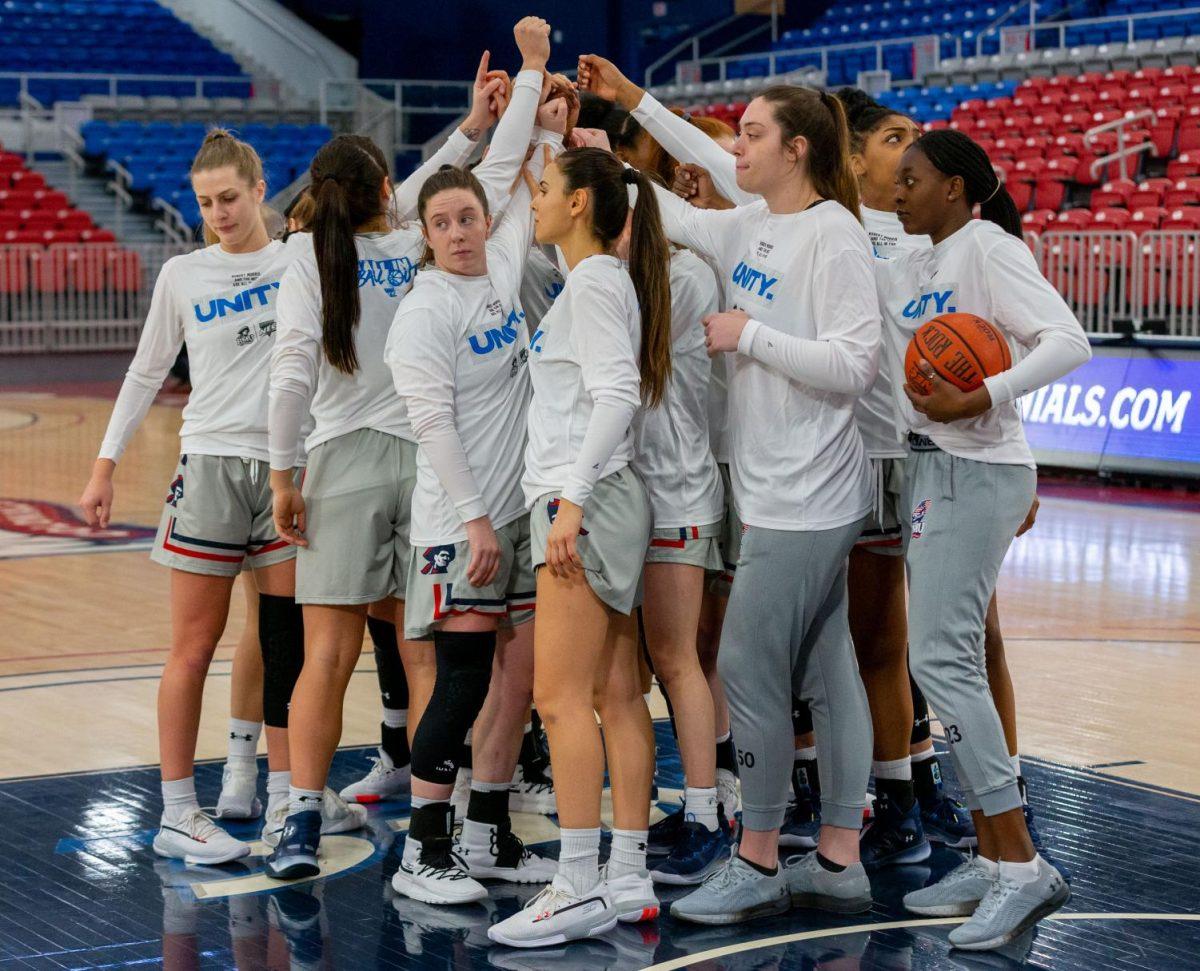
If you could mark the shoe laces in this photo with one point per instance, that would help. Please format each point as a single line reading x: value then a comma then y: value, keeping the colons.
x: 998, y: 893
x: 443, y: 864
x: 548, y: 900
x: 724, y: 877
x: 199, y: 824
x: 503, y: 840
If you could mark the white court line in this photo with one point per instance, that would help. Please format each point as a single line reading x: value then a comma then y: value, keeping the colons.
x: 719, y: 952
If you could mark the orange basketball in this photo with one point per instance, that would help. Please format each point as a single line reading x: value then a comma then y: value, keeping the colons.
x: 963, y: 349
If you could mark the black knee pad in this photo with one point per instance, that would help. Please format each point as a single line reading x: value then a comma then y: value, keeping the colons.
x: 920, y: 729
x: 281, y: 637
x: 802, y: 722
x: 464, y: 671
x: 393, y: 685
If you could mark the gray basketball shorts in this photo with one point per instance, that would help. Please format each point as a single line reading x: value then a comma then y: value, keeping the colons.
x: 217, y: 518
x: 358, y: 500
x: 689, y: 545
x: 438, y: 587
x: 613, y: 540
x: 729, y: 539
x: 884, y: 532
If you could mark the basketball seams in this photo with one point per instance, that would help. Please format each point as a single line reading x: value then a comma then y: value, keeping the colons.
x: 966, y: 346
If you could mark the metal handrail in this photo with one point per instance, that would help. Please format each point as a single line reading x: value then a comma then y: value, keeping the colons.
x: 1122, y: 153
x: 694, y: 43
x: 172, y: 223
x: 70, y: 142
x: 115, y: 79
x: 1128, y: 19
x: 824, y: 50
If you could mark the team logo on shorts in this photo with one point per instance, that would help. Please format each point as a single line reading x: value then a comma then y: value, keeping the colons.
x: 920, y: 511
x: 176, y: 492
x: 552, y: 512
x: 437, y: 559
x: 244, y: 336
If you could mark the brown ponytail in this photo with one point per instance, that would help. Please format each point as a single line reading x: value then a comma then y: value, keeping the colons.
x: 220, y: 148
x: 347, y: 183
x: 820, y: 118
x: 606, y: 181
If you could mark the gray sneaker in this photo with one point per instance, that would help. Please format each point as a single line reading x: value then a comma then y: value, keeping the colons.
x: 1010, y: 908
x: 811, y: 885
x: 957, y: 894
x: 732, y: 894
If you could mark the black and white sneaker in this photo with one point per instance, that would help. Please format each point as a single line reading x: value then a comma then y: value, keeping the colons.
x: 497, y: 853
x: 434, y: 874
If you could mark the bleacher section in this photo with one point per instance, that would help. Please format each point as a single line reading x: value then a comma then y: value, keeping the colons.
x: 158, y: 155
x: 34, y: 213
x: 106, y: 37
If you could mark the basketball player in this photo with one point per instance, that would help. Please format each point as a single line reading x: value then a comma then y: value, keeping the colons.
x: 602, y: 350
x: 458, y: 355
x: 808, y: 350
x: 971, y: 479
x: 219, y: 300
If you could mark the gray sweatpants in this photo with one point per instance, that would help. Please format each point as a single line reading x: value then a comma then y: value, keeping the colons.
x: 964, y: 515
x: 786, y: 632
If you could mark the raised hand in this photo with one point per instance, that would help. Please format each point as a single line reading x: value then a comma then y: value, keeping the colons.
x: 694, y: 184
x: 552, y: 116
x: 602, y: 77
x: 532, y: 35
x: 590, y: 138
x: 486, y: 89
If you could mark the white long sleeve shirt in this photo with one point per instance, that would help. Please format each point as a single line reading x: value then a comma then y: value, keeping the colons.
x: 985, y: 271
x: 809, y: 350
x: 586, y: 383
x: 674, y: 454
x: 458, y: 352
x: 876, y: 413
x: 223, y: 306
x: 541, y: 284
x: 303, y: 380
x: 685, y: 142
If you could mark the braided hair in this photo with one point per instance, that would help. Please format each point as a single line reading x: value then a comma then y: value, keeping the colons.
x: 953, y: 153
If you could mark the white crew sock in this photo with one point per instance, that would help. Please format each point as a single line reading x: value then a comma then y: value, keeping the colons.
x: 923, y: 756
x: 700, y: 805
x: 303, y: 800
x: 991, y: 866
x: 805, y: 755
x: 395, y: 717
x: 278, y: 787
x: 628, y: 854
x: 900, y: 769
x: 179, y: 798
x: 243, y: 741
x: 579, y: 858
x: 1020, y: 872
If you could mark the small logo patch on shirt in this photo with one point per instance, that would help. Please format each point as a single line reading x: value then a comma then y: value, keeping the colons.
x: 920, y: 511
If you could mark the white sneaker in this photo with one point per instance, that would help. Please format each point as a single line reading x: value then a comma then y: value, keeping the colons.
x: 632, y: 895
x: 441, y: 879
x: 239, y: 793
x: 337, y: 816
x: 557, y: 915
x: 727, y: 792
x: 533, y: 795
x: 195, y: 838
x: 497, y: 853
x: 460, y: 799
x: 386, y: 780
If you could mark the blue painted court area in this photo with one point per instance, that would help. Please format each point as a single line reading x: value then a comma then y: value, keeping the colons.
x: 84, y: 890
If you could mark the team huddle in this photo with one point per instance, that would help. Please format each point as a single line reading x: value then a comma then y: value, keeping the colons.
x: 643, y: 378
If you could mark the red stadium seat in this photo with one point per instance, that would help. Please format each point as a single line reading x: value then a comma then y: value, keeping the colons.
x: 1074, y: 219
x: 97, y: 236
x: 31, y: 181
x: 1021, y: 192
x: 1110, y: 218
x: 51, y: 199
x: 1146, y: 218
x: 1183, y: 167
x: 39, y: 219
x: 75, y: 219
x: 1187, y: 217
